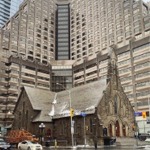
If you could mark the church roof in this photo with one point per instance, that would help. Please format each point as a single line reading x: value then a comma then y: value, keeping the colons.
x: 83, y: 98
x: 40, y: 100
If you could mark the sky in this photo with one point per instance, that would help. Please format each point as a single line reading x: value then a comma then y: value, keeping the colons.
x: 146, y: 0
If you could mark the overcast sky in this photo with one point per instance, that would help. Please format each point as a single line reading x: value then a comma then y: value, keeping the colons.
x: 146, y: 0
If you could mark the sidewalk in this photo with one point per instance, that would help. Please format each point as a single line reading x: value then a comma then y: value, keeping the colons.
x: 77, y: 147
x: 92, y: 147
x: 127, y: 143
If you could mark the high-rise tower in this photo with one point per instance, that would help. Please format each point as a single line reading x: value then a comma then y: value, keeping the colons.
x: 96, y: 25
x: 7, y: 9
x: 63, y: 31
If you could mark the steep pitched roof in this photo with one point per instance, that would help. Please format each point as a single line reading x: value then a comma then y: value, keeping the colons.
x: 40, y: 100
x: 83, y: 98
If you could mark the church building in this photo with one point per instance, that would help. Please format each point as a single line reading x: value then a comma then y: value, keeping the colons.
x: 80, y: 115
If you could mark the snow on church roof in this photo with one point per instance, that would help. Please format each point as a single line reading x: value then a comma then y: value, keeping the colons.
x: 83, y: 98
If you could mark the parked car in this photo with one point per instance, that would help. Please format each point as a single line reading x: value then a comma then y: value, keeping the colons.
x: 4, y: 145
x: 1, y: 139
x: 147, y: 139
x: 147, y: 147
x: 28, y: 145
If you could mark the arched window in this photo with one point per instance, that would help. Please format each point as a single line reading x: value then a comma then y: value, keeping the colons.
x: 19, y: 121
x: 124, y: 110
x: 115, y: 105
x: 27, y: 120
x: 110, y: 108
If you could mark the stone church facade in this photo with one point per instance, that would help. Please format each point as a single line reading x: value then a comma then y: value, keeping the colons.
x: 115, y: 109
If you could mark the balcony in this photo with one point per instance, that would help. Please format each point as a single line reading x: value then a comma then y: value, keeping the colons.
x: 124, y: 65
x: 27, y: 84
x: 142, y: 78
x: 13, y: 82
x: 13, y: 91
x: 43, y: 81
x: 2, y: 115
x: 142, y: 97
x: 141, y: 51
x: 14, y: 75
x: 91, y: 77
x: 91, y: 69
x: 43, y: 87
x: 3, y: 82
x: 27, y: 78
x: 79, y: 81
x: 142, y: 60
x: 125, y: 57
x: 143, y: 68
x: 43, y: 75
x: 128, y: 91
x: 79, y: 73
x: 125, y: 74
x: 12, y: 98
x: 14, y: 67
x: 126, y: 82
x: 29, y: 71
x: 3, y: 91
x: 146, y: 87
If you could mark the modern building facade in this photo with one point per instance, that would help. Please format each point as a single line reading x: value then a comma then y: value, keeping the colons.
x: 63, y: 32
x: 7, y: 9
x: 80, y: 33
x: 96, y: 25
x: 4, y: 11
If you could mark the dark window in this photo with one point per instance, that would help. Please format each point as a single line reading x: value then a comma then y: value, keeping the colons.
x: 45, y: 38
x: 91, y: 125
x: 38, y: 45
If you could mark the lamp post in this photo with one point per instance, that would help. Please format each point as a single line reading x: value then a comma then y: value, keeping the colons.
x: 41, y: 127
x: 71, y: 115
x: 95, y: 132
x: 83, y: 114
x: 135, y: 121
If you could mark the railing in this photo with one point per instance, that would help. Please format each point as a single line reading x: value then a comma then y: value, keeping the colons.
x: 112, y: 141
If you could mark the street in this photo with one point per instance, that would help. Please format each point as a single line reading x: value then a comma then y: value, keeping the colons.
x: 102, y: 148
x: 121, y: 144
x: 124, y: 147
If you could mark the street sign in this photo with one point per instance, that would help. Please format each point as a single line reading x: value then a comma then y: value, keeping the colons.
x: 72, y: 123
x: 72, y: 130
x: 148, y: 120
x: 144, y: 114
x: 83, y: 114
x: 137, y: 114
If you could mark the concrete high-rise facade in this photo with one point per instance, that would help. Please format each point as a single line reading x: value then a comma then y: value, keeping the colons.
x: 75, y: 35
x: 7, y: 9
x: 96, y: 25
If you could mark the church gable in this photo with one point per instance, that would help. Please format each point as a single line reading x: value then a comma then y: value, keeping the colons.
x: 23, y: 112
x: 115, y: 109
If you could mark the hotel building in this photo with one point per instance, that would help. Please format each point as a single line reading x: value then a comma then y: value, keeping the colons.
x: 71, y: 40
